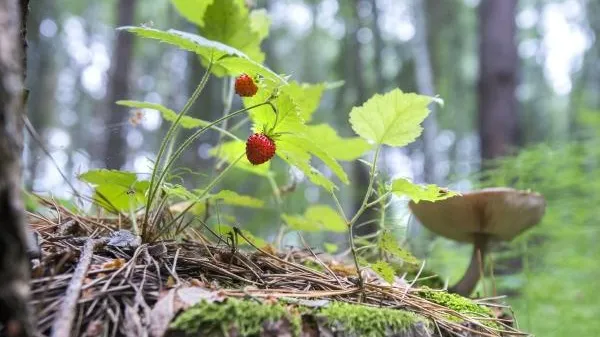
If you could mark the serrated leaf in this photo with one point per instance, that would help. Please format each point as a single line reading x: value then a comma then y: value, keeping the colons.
x: 416, y: 192
x: 260, y: 23
x: 231, y: 59
x: 384, y: 270
x: 296, y: 156
x: 228, y: 22
x: 317, y: 218
x: 186, y: 122
x: 230, y: 151
x: 392, y: 119
x: 116, y: 190
x: 327, y: 139
x: 179, y: 191
x: 192, y: 10
x: 389, y: 244
x: 232, y: 198
x: 305, y: 96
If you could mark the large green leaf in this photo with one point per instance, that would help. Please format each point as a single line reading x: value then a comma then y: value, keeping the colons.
x: 306, y: 96
x: 416, y: 192
x: 393, y: 119
x: 233, y: 198
x: 192, y: 10
x: 326, y: 138
x: 231, y: 59
x: 228, y: 22
x: 116, y: 191
x: 260, y: 22
x: 317, y: 218
x: 230, y: 151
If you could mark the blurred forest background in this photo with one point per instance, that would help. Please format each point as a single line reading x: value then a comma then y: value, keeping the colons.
x: 520, y: 81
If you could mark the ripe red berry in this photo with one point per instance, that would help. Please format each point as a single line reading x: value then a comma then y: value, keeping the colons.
x: 245, y: 86
x: 259, y: 148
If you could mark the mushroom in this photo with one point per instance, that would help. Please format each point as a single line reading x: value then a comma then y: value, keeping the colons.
x: 479, y: 217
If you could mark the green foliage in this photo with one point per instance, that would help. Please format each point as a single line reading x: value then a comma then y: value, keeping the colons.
x: 339, y: 148
x: 389, y: 244
x: 456, y: 302
x: 230, y: 151
x: 116, y: 191
x: 359, y: 320
x: 230, y: 59
x: 251, y: 238
x: 385, y: 270
x: 393, y: 119
x: 246, y: 317
x: 317, y: 218
x: 405, y: 187
x: 192, y: 10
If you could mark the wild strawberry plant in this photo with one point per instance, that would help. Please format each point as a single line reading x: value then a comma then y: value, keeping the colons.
x: 280, y: 111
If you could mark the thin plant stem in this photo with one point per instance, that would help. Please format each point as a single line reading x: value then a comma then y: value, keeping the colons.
x: 152, y: 190
x: 207, y: 189
x: 360, y: 211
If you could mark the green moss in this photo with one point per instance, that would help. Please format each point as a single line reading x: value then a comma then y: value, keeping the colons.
x: 367, y: 321
x: 246, y: 316
x: 456, y: 302
x: 459, y: 304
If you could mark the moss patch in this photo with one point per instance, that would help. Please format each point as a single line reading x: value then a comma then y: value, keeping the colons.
x: 369, y: 321
x: 247, y: 317
x: 456, y: 302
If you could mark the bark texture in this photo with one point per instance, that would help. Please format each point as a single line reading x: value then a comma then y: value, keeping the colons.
x: 116, y: 152
x: 498, y: 68
x: 14, y: 267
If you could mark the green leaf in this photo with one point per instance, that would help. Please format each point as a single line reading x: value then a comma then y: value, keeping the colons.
x: 393, y: 119
x: 389, y: 244
x: 317, y: 218
x: 299, y: 157
x: 179, y: 191
x: 327, y: 139
x: 231, y: 59
x: 192, y: 10
x: 384, y: 270
x: 228, y: 22
x: 306, y: 97
x: 330, y: 247
x: 228, y: 230
x: 186, y: 122
x: 260, y: 23
x: 235, y: 199
x: 405, y: 187
x: 116, y: 191
x: 230, y: 151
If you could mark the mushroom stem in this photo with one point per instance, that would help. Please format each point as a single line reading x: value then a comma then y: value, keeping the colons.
x: 468, y: 282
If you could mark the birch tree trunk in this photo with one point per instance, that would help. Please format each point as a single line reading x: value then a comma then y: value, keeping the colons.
x: 14, y: 267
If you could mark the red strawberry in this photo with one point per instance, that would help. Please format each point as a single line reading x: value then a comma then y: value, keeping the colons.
x: 245, y: 86
x: 259, y: 148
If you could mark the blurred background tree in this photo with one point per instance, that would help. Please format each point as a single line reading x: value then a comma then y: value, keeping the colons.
x: 518, y: 78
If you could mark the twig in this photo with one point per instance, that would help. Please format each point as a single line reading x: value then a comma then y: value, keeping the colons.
x: 64, y: 319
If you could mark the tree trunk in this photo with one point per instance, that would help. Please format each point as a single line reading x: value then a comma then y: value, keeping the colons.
x: 424, y: 79
x: 14, y: 268
x: 115, y: 152
x: 498, y: 63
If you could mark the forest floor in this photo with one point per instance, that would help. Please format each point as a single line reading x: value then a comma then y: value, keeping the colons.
x: 96, y: 279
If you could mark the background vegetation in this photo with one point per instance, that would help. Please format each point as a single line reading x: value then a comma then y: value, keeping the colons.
x: 79, y: 66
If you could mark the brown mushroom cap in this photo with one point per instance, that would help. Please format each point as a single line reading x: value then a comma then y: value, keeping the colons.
x: 502, y: 213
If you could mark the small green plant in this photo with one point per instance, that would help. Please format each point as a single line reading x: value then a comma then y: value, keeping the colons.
x: 280, y: 111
